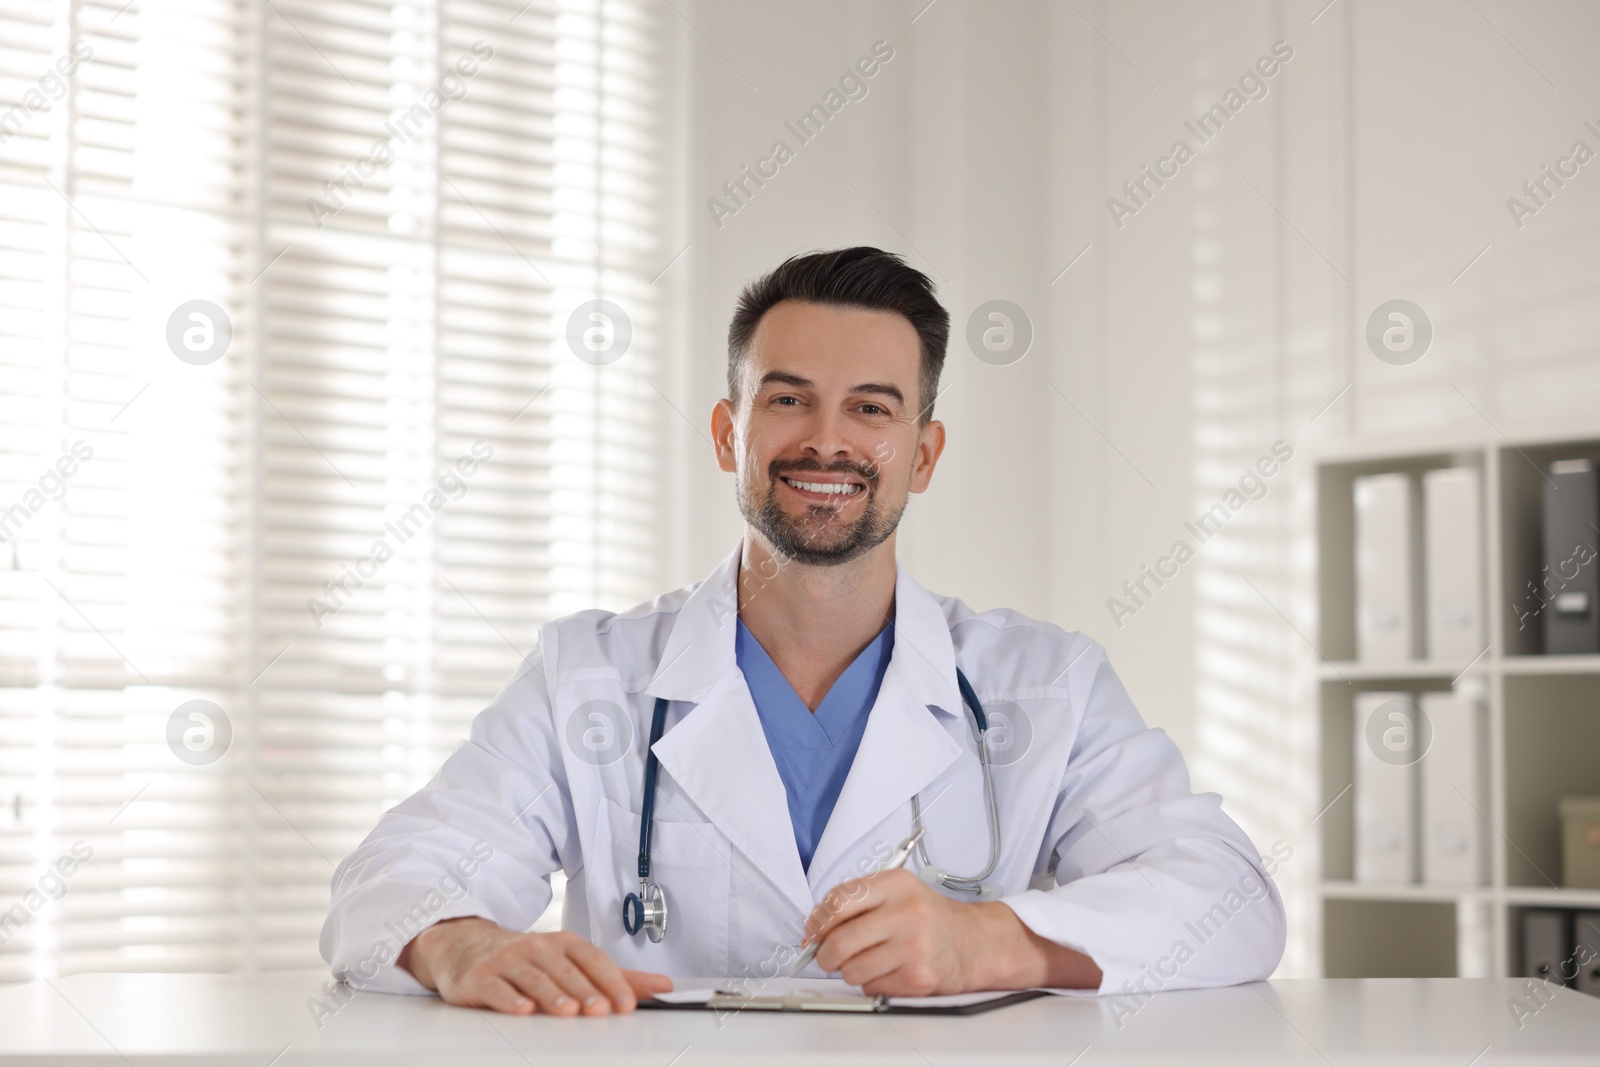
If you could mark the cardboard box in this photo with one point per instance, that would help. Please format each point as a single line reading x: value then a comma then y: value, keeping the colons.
x: 1580, y: 842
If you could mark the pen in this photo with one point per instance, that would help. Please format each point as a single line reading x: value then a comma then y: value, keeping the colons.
x: 894, y: 862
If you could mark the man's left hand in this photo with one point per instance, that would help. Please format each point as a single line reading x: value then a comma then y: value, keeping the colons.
x: 893, y: 933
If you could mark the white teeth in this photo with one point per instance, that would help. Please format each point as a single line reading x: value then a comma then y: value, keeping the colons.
x: 848, y: 489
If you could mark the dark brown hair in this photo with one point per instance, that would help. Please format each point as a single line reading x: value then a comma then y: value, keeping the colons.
x: 862, y: 277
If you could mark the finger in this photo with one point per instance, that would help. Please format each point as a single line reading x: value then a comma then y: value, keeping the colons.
x: 538, y: 987
x: 862, y: 895
x: 571, y: 978
x: 492, y: 992
x: 911, y: 979
x: 606, y: 975
x: 872, y: 965
x: 841, y: 903
x: 647, y: 983
x: 853, y: 937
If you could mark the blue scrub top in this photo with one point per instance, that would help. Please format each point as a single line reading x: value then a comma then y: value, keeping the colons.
x: 813, y: 750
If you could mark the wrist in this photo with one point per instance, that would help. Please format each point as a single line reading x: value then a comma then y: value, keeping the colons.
x: 1000, y: 955
x: 417, y: 956
x: 1009, y: 955
x: 413, y: 960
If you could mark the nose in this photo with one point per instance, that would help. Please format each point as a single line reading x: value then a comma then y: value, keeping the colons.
x: 827, y: 440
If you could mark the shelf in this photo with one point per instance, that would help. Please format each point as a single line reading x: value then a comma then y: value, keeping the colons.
x: 1541, y: 720
x: 1552, y: 897
x: 1410, y: 445
x: 1355, y: 671
x: 1342, y: 890
x: 1349, y: 670
x: 1551, y: 664
x: 1515, y: 896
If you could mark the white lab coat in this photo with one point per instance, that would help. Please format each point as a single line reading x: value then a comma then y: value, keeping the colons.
x: 1104, y: 847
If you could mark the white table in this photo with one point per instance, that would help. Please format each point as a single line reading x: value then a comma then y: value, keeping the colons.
x: 256, y: 1021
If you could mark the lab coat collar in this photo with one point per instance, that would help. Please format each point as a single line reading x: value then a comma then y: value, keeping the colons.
x: 700, y: 649
x: 718, y: 752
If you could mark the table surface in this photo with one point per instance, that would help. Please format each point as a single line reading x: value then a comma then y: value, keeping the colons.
x: 266, y: 1020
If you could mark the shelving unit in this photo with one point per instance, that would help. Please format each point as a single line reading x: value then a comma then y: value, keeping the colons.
x: 1543, y: 725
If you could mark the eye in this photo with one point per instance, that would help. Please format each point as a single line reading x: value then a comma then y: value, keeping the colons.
x: 785, y: 397
x: 874, y: 409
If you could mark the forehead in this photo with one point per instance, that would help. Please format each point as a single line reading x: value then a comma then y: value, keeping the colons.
x: 835, y: 345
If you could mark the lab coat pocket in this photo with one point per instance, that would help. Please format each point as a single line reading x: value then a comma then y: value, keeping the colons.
x: 692, y: 862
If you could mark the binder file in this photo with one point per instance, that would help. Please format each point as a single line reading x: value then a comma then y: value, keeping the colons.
x: 1586, y: 932
x: 1545, y: 944
x: 1388, y: 579
x: 1385, y: 796
x: 1454, y: 792
x: 1453, y: 564
x: 1569, y: 584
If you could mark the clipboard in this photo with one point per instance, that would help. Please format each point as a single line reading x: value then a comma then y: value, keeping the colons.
x: 832, y: 995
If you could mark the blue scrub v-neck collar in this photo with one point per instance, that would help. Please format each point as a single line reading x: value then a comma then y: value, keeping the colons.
x: 813, y: 752
x: 784, y: 711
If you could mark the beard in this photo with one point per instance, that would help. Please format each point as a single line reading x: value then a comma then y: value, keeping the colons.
x: 819, y: 537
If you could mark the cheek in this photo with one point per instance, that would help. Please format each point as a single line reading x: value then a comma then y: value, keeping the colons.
x: 766, y: 439
x: 747, y: 457
x: 752, y: 451
x: 888, y: 456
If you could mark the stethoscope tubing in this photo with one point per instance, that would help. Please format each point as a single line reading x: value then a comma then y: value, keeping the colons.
x: 647, y: 815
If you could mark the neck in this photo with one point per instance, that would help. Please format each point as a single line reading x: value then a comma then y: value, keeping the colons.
x: 814, y: 621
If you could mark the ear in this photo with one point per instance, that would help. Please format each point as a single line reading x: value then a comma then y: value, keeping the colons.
x: 930, y: 445
x: 722, y: 435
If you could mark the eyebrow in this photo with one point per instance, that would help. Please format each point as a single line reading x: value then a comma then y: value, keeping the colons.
x: 797, y: 381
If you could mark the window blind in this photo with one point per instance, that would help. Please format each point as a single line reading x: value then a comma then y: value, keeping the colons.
x: 341, y: 534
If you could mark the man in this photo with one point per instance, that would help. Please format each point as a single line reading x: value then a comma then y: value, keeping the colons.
x: 809, y: 701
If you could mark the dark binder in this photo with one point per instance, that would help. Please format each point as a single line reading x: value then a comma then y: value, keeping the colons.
x: 1569, y: 583
x: 1546, y: 944
x: 1586, y: 932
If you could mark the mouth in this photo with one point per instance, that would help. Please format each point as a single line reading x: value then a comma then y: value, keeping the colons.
x: 820, y: 489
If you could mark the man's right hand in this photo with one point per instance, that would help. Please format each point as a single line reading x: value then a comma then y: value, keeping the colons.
x: 473, y: 962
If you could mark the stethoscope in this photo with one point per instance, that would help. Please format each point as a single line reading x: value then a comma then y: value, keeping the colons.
x: 647, y: 909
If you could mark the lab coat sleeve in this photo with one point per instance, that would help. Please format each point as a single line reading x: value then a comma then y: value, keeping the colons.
x: 1154, y: 883
x: 480, y: 839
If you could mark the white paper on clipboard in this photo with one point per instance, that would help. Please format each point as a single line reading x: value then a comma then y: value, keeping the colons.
x: 701, y: 991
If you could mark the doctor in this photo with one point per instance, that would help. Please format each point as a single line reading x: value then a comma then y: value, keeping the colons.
x: 808, y: 696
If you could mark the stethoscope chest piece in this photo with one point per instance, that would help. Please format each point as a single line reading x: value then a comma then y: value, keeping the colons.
x: 646, y: 910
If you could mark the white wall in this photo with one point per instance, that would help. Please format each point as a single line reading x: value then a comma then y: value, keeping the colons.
x: 1224, y: 315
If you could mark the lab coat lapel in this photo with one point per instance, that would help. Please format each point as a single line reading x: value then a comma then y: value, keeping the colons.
x: 717, y: 752
x: 908, y: 741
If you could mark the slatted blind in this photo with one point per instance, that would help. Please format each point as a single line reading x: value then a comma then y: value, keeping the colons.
x: 344, y: 532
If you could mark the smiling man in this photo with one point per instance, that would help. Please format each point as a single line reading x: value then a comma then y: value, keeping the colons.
x: 719, y: 772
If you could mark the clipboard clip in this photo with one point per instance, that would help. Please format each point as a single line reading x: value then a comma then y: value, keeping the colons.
x: 797, y: 1000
